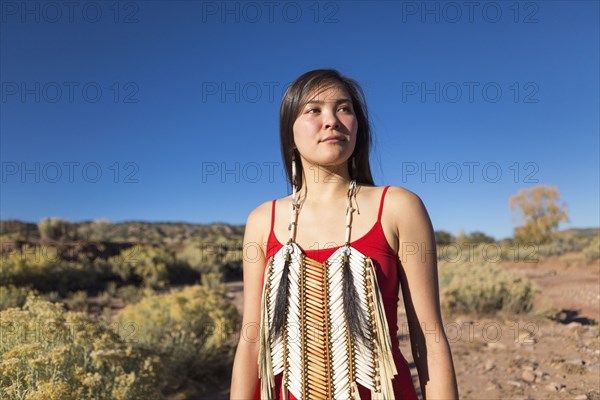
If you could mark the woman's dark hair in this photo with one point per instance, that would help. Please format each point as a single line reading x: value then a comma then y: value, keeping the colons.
x: 296, y: 96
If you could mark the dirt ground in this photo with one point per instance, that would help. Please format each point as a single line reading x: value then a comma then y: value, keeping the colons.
x: 520, y: 357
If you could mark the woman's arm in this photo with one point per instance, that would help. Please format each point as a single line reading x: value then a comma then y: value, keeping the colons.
x: 419, y: 282
x: 244, y: 379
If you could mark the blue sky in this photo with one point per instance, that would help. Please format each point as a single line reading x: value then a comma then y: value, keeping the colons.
x: 168, y: 110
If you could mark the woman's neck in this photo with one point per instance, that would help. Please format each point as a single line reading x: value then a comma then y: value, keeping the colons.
x: 324, y: 185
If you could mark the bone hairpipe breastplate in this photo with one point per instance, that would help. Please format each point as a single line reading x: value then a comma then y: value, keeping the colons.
x: 323, y: 324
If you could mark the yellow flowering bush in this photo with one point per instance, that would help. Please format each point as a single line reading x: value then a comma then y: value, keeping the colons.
x: 49, y: 353
x: 191, y: 329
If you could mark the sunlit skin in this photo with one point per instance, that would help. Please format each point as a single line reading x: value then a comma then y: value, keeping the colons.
x: 405, y: 223
x: 327, y: 114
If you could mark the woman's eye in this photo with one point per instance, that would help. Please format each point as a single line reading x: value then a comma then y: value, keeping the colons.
x: 345, y: 108
x: 312, y: 110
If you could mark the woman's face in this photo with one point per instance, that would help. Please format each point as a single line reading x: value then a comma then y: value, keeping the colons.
x: 325, y: 130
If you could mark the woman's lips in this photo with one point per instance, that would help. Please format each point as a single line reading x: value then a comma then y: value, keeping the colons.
x: 333, y: 140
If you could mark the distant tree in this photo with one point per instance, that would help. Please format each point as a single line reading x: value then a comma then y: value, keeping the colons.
x: 443, y: 237
x: 480, y: 237
x: 461, y: 238
x: 540, y: 213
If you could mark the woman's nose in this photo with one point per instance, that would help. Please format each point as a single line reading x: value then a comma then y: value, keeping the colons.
x: 331, y: 121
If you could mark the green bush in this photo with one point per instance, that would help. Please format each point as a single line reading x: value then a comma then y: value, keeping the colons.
x: 57, y: 229
x: 469, y: 251
x: 566, y: 242
x: 13, y: 296
x: 13, y: 229
x: 592, y: 250
x: 196, y: 256
x: 49, y: 353
x: 98, y: 230
x: 152, y: 266
x: 221, y: 255
x: 130, y: 293
x: 41, y: 268
x: 77, y: 301
x: 483, y: 288
x: 189, y: 329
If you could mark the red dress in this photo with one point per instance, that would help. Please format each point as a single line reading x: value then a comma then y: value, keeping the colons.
x: 374, y: 245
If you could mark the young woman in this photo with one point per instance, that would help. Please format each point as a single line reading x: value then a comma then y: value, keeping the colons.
x: 321, y: 297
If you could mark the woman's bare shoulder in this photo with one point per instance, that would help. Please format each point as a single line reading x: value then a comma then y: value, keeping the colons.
x: 401, y: 193
x: 259, y: 219
x: 403, y: 201
x: 409, y: 213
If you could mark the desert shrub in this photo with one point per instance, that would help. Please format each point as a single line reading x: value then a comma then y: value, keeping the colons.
x: 104, y: 299
x: 469, y: 251
x: 41, y: 268
x: 77, y: 301
x: 565, y: 242
x: 480, y: 247
x: 592, y: 250
x: 232, y: 264
x: 130, y: 293
x: 200, y: 257
x: 220, y: 255
x: 556, y: 247
x: 13, y: 296
x: 13, y: 229
x: 44, y: 270
x: 483, y: 288
x: 151, y: 266
x: 97, y: 230
x: 189, y: 329
x: 111, y: 288
x: 521, y: 252
x: 479, y: 252
x: 49, y: 353
x: 57, y: 229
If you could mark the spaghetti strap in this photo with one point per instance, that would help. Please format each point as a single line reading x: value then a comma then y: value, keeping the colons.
x: 272, y: 215
x: 381, y: 203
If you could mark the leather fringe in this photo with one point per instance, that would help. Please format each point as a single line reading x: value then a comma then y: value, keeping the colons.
x: 265, y: 367
x: 385, y: 359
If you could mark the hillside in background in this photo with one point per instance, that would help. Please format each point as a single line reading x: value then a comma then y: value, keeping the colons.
x: 173, y: 232
x: 129, y: 231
